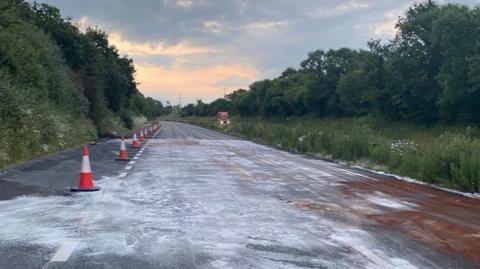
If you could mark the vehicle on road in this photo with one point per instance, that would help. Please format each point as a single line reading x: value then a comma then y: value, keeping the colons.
x: 223, y: 117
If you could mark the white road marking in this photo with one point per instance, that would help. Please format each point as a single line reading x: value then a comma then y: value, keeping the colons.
x: 68, y: 247
x: 122, y: 174
x: 65, y: 251
x: 131, y: 162
x: 128, y: 167
x: 136, y: 157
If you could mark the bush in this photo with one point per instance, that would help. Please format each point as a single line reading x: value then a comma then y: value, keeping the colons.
x: 32, y: 129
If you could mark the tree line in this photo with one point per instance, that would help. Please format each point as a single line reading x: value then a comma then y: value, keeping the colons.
x: 49, y: 67
x: 428, y: 73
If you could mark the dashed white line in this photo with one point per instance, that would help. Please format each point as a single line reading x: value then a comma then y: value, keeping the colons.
x: 65, y: 251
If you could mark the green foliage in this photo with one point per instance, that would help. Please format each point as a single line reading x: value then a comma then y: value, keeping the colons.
x: 31, y: 129
x: 446, y: 156
x: 429, y: 73
x: 202, y: 110
x: 58, y: 86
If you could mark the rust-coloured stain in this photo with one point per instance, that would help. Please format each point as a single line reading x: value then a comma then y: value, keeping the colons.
x: 184, y: 142
x: 441, y: 219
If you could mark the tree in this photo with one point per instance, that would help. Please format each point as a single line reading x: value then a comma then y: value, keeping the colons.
x: 454, y: 35
x: 361, y: 91
x: 218, y: 105
x: 429, y: 73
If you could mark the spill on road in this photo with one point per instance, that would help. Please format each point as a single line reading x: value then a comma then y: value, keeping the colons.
x: 447, y: 221
x: 187, y: 202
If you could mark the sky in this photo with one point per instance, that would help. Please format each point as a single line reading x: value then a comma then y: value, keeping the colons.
x: 199, y: 49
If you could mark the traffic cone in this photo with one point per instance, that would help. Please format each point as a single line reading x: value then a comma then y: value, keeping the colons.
x: 86, y: 178
x: 146, y: 133
x: 123, y: 154
x: 142, y: 137
x: 135, y: 143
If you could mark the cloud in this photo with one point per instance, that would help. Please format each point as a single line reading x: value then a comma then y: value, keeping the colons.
x: 266, y: 25
x: 213, y: 26
x: 223, y: 28
x: 387, y: 27
x: 384, y: 28
x: 184, y: 3
x: 340, y: 9
x: 205, y: 82
x: 133, y: 48
x: 176, y: 41
x: 83, y: 23
x: 351, y: 5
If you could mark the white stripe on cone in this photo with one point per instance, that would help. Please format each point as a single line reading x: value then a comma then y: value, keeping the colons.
x: 134, y: 136
x: 122, y: 145
x: 85, y: 164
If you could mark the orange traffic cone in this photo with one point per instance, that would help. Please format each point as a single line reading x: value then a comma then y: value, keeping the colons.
x: 146, y: 133
x: 142, y: 137
x: 135, y: 143
x: 86, y: 178
x: 123, y: 154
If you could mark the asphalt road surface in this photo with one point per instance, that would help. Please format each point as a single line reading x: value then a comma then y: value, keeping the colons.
x: 194, y: 198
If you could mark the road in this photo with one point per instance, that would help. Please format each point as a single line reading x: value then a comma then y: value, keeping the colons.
x: 195, y: 198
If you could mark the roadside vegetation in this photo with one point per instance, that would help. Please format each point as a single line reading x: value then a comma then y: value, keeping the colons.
x: 60, y: 86
x: 443, y: 155
x: 396, y: 105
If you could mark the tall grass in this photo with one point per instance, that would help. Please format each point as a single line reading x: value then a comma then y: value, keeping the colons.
x: 446, y: 156
x: 29, y: 128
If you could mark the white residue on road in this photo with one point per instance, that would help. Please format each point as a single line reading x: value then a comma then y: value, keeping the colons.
x: 185, y: 201
x: 381, y: 199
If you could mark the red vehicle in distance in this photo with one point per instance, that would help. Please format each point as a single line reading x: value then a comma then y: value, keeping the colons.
x: 223, y: 117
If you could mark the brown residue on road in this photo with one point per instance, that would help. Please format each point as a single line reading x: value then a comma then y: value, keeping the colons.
x: 441, y: 219
x: 184, y: 142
